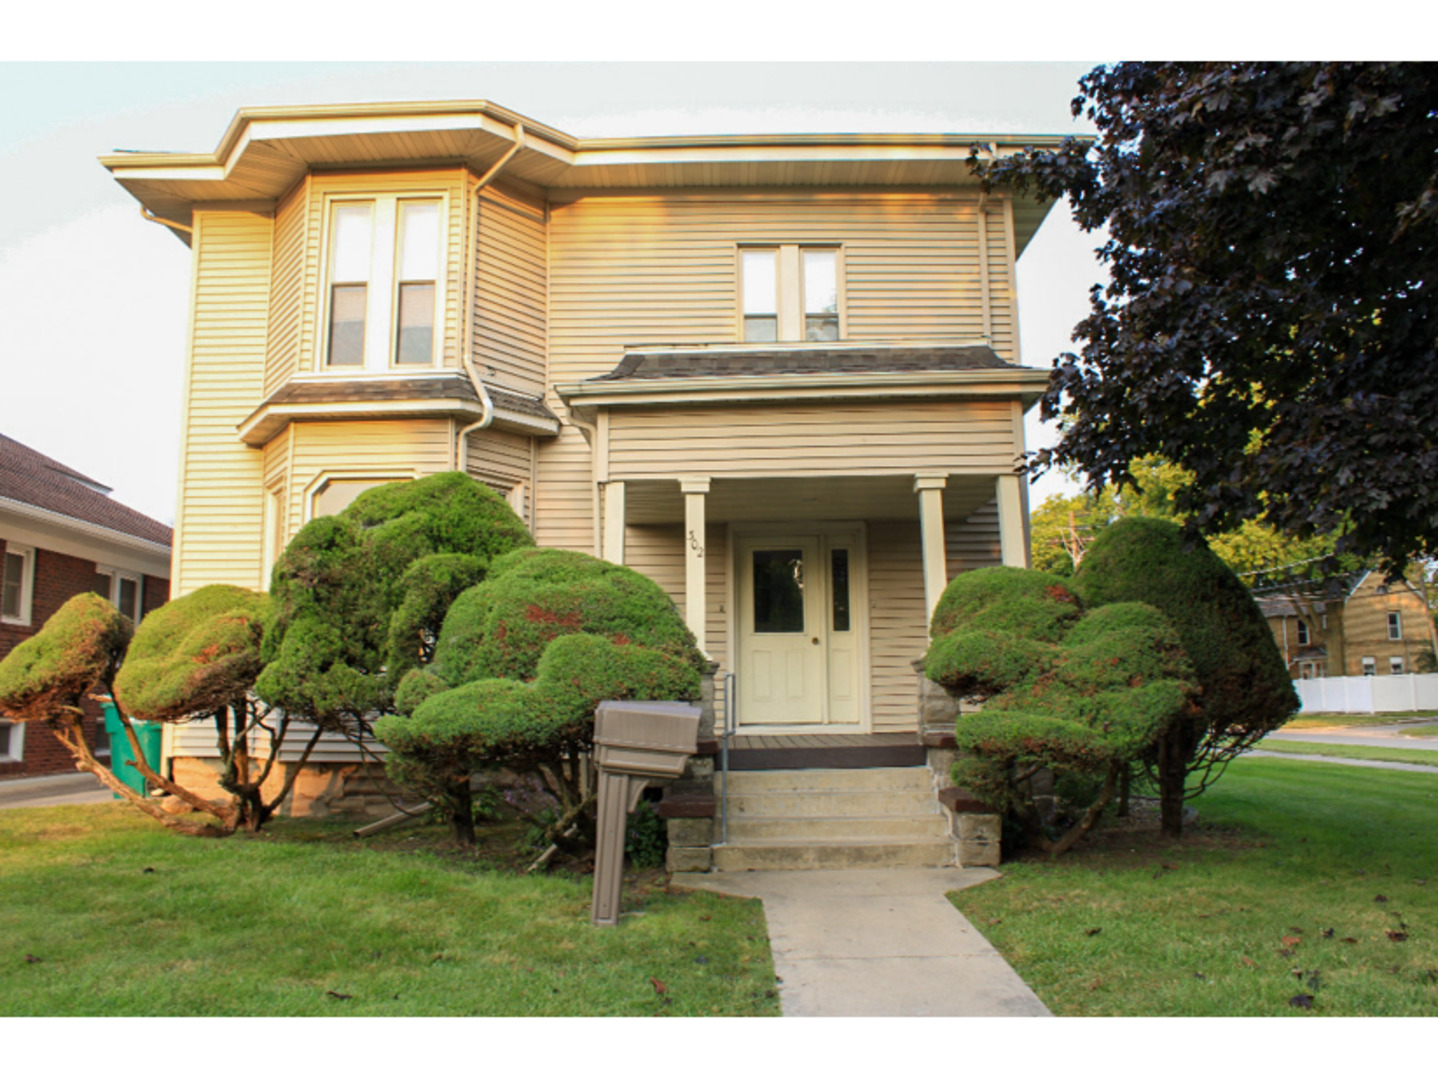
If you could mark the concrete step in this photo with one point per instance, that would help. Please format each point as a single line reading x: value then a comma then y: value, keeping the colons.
x: 774, y: 780
x: 891, y: 828
x: 827, y: 804
x: 832, y: 856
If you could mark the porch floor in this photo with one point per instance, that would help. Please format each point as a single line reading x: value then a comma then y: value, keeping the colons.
x: 826, y: 751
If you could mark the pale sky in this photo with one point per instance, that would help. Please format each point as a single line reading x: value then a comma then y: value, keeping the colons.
x: 93, y: 298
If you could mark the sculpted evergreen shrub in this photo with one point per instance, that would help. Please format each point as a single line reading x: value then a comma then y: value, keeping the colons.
x: 356, y: 594
x: 522, y: 660
x: 1245, y: 691
x: 1079, y: 693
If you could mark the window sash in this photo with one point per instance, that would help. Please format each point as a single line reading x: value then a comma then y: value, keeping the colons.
x: 790, y: 293
x: 1395, y: 626
x: 17, y: 582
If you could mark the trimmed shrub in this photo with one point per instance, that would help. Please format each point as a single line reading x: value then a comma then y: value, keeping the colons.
x: 78, y: 646
x: 195, y: 655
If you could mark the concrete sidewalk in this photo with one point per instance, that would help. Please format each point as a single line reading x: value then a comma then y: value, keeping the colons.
x: 64, y: 789
x: 877, y: 943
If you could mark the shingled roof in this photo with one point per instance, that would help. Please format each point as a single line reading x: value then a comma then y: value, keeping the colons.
x: 723, y: 363
x: 332, y: 391
x: 28, y: 476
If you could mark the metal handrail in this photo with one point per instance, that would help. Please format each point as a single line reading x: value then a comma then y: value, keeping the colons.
x: 731, y: 725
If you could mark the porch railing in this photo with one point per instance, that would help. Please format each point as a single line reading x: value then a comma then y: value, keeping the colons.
x: 730, y: 726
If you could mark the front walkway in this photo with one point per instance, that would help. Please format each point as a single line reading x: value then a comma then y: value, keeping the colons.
x: 877, y: 943
x: 62, y: 789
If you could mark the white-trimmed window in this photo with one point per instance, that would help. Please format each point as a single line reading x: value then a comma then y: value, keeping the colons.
x: 329, y: 493
x: 789, y: 292
x: 1395, y: 626
x: 1302, y: 632
x: 123, y: 588
x: 1370, y: 666
x: 1395, y: 665
x: 384, y: 295
x: 12, y: 742
x: 17, y: 584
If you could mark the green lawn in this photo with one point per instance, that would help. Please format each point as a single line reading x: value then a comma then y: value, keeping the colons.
x: 1333, y: 720
x: 104, y: 914
x: 1420, y: 730
x: 1300, y: 878
x: 1397, y: 752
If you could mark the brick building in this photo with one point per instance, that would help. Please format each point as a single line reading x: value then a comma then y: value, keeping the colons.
x: 61, y: 534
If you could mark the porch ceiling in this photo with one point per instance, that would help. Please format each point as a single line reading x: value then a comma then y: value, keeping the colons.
x: 786, y: 498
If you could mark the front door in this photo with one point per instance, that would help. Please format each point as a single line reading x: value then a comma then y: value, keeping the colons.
x: 798, y: 629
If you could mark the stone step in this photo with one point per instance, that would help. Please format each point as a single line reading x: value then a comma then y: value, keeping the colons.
x: 828, y: 804
x: 898, y: 828
x: 837, y: 855
x: 772, y: 780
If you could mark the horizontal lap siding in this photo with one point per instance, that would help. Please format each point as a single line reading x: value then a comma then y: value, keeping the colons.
x: 401, y: 448
x: 219, y: 533
x: 898, y: 624
x: 974, y: 543
x: 812, y: 440
x: 501, y: 459
x: 287, y: 288
x: 510, y: 292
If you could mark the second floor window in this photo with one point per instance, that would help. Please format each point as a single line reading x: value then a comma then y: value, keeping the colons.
x: 384, y: 283
x: 790, y: 293
x: 1395, y: 626
x: 1302, y: 632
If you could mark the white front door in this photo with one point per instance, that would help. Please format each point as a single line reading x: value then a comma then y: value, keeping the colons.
x: 799, y: 629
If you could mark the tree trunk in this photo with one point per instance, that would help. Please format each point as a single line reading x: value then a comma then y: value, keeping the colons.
x: 1125, y: 778
x: 1172, y: 773
x: 460, y: 804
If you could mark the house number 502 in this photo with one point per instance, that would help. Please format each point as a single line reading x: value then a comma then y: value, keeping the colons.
x: 695, y: 544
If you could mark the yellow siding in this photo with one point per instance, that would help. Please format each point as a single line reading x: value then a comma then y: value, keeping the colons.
x: 563, y: 508
x: 812, y: 440
x: 973, y: 543
x: 898, y: 632
x: 447, y: 182
x: 1365, y: 627
x: 402, y: 449
x: 510, y: 292
x: 221, y: 483
x: 287, y: 288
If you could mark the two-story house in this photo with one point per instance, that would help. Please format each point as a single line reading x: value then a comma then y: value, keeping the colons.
x: 778, y: 374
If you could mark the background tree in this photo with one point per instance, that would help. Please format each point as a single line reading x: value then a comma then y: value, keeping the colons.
x: 1245, y: 691
x: 1082, y: 694
x: 1270, y: 323
x: 522, y: 660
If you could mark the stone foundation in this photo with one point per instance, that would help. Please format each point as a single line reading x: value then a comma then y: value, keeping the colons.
x: 320, y: 790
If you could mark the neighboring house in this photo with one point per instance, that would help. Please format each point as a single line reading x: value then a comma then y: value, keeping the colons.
x: 778, y: 374
x: 1354, y: 625
x: 61, y: 534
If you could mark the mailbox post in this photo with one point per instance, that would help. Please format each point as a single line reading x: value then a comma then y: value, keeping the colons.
x: 635, y: 744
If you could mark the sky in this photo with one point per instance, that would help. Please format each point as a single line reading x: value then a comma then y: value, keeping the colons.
x: 93, y: 298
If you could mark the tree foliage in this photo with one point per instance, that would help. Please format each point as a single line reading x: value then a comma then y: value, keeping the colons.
x: 1270, y: 323
x: 1080, y: 693
x: 1245, y: 690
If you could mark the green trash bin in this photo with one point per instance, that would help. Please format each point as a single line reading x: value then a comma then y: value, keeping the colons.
x: 148, y: 735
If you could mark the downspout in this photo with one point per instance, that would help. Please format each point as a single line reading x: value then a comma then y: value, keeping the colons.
x: 145, y: 213
x: 467, y: 300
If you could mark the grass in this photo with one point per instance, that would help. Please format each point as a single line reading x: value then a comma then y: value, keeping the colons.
x: 1418, y: 730
x: 1300, y: 879
x: 1332, y: 720
x: 106, y: 915
x: 1349, y: 750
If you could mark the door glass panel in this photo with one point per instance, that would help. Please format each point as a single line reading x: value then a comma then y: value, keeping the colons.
x: 779, y: 591
x: 839, y: 586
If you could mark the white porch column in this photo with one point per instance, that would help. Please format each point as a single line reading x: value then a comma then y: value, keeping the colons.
x: 694, y: 491
x: 930, y: 489
x: 614, y: 522
x: 1011, y: 521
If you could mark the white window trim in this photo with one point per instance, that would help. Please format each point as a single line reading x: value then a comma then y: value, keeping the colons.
x: 27, y: 584
x: 1304, y: 635
x: 1370, y: 665
x: 789, y: 275
x: 383, y: 283
x: 380, y: 476
x: 1395, y: 622
x: 1396, y: 666
x: 12, y: 742
x: 116, y: 574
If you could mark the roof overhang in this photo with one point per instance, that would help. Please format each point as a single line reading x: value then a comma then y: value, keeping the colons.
x: 153, y: 557
x: 269, y: 419
x: 584, y: 398
x: 266, y: 151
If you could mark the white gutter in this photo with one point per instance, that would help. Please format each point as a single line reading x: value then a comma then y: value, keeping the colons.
x: 467, y: 300
x: 145, y: 213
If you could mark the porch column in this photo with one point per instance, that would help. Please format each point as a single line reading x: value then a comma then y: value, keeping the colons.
x: 694, y: 609
x: 930, y: 489
x: 1011, y: 521
x: 613, y: 549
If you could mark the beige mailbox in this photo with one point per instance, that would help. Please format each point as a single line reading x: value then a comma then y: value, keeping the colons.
x: 635, y: 744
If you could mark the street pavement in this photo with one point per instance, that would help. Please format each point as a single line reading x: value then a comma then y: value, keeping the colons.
x: 64, y: 789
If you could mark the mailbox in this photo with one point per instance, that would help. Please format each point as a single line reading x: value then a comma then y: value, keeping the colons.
x: 635, y: 743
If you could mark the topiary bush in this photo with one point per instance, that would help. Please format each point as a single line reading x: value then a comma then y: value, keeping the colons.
x: 1079, y: 693
x: 1244, y: 689
x: 522, y: 661
x: 45, y: 676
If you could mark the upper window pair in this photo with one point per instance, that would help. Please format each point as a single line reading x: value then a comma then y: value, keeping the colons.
x: 384, y: 283
x: 790, y: 293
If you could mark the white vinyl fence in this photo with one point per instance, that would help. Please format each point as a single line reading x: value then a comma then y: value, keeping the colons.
x: 1368, y: 693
